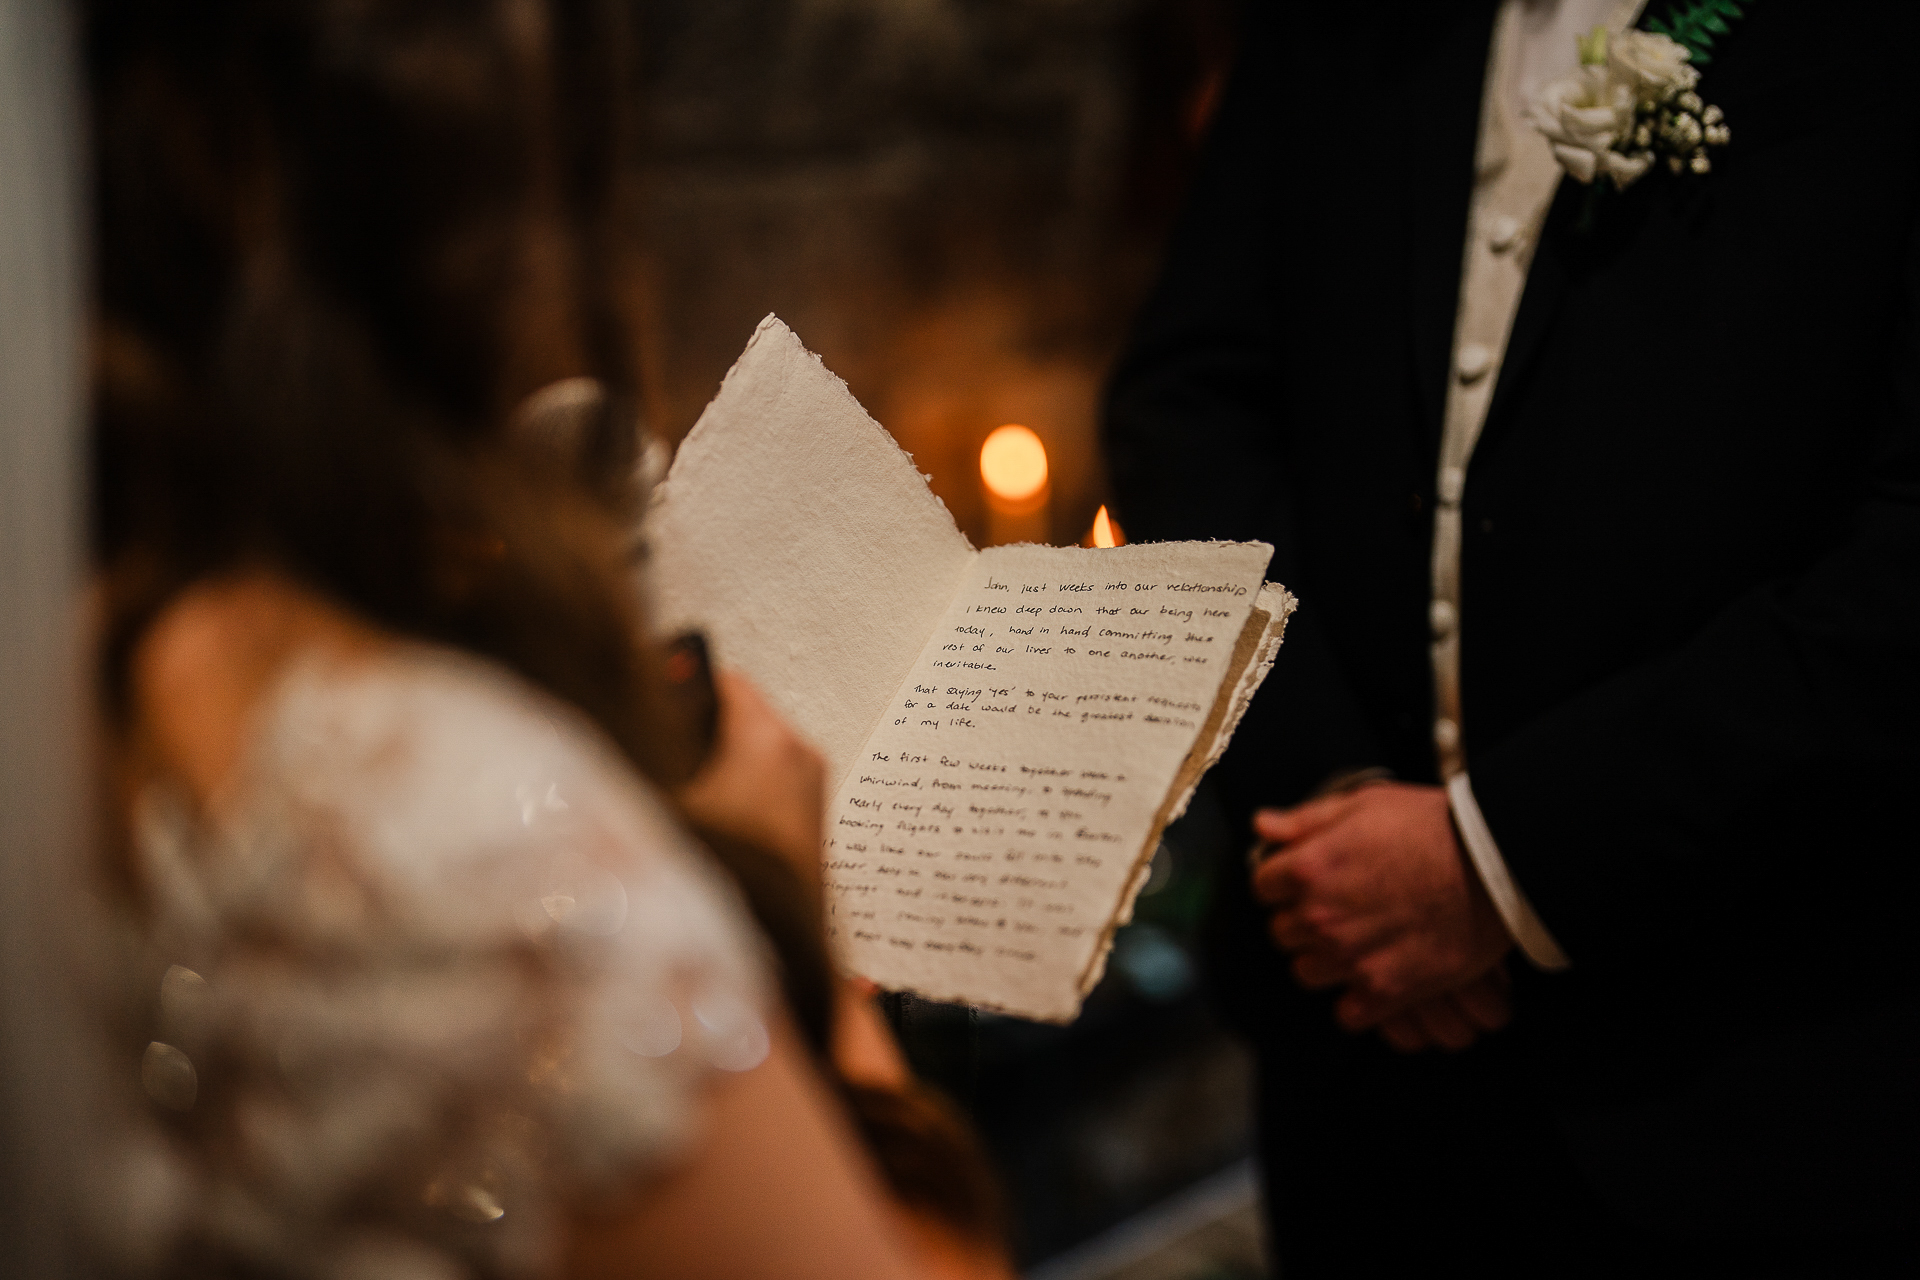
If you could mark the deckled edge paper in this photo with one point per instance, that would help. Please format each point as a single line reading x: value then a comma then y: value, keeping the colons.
x: 1266, y: 627
x: 788, y: 511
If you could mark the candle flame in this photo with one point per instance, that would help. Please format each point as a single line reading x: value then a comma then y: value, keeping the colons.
x: 1106, y: 531
x: 1013, y: 463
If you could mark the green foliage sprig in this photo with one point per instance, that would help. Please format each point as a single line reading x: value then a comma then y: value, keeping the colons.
x: 1695, y: 25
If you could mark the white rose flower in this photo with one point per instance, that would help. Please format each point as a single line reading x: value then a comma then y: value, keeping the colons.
x: 1583, y: 115
x: 1654, y: 65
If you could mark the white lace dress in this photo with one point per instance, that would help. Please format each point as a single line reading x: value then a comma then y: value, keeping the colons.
x: 441, y: 967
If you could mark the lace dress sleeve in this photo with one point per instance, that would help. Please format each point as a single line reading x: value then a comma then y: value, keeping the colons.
x: 443, y: 967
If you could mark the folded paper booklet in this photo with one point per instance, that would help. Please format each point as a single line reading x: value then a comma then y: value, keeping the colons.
x: 1006, y: 731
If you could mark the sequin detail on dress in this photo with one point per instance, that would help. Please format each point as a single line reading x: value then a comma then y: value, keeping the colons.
x: 441, y: 964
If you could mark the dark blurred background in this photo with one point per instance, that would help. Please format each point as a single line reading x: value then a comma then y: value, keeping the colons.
x: 960, y: 204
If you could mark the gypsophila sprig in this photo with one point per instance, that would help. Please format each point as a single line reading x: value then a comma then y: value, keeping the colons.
x: 1630, y: 103
x: 1693, y: 26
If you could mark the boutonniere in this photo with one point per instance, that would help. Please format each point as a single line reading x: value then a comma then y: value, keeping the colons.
x: 1632, y: 100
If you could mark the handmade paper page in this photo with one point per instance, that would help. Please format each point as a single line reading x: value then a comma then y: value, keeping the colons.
x: 803, y: 541
x: 996, y: 821
x: 1259, y: 645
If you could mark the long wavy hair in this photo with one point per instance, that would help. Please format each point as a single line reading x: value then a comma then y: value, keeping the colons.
x: 337, y: 242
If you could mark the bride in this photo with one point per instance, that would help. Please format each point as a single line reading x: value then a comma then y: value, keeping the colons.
x: 436, y: 983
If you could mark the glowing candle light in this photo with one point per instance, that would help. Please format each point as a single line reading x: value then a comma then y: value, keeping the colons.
x: 1013, y: 462
x: 1106, y: 530
x: 1013, y: 467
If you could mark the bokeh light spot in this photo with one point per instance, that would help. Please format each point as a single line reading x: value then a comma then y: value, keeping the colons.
x: 1013, y: 463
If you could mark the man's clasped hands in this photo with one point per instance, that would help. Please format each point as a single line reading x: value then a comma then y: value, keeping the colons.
x: 1370, y: 890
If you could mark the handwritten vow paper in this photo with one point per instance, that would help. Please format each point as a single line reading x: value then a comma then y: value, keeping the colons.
x: 1007, y: 731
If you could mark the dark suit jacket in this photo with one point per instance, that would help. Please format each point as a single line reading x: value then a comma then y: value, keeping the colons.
x: 1691, y: 579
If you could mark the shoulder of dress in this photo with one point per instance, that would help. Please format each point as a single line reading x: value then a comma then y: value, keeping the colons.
x: 425, y: 761
x: 416, y: 708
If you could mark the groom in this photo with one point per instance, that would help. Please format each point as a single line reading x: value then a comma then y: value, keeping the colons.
x: 1602, y: 500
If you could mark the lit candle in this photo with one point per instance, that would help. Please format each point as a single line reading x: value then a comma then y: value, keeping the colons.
x: 1013, y: 466
x: 1105, y: 532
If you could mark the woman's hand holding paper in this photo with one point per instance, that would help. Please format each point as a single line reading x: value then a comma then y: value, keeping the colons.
x: 764, y: 783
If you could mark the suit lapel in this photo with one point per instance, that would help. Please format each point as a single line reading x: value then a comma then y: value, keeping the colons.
x: 1442, y: 106
x: 1548, y: 279
x: 1563, y: 252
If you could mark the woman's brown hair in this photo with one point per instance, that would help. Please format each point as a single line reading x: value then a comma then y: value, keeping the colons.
x: 337, y: 242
